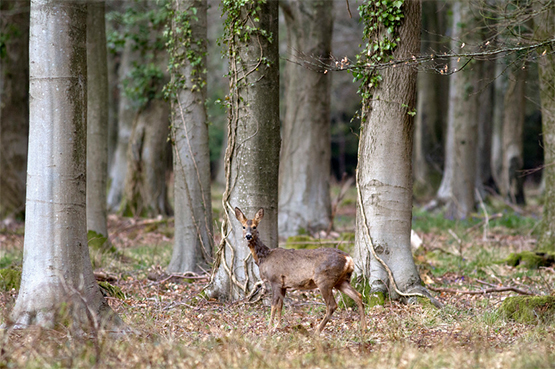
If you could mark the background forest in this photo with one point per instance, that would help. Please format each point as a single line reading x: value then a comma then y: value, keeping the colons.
x: 414, y: 135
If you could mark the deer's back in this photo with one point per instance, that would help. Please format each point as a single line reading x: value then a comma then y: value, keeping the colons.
x: 306, y: 269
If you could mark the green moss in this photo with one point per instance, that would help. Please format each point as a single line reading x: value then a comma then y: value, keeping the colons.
x: 98, y: 242
x: 302, y: 242
x: 108, y: 289
x: 10, y: 278
x: 376, y: 298
x: 530, y: 260
x: 528, y: 309
x: 426, y: 303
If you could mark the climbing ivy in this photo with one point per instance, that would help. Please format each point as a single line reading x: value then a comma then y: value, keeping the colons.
x: 183, y: 50
x: 236, y: 23
x: 381, y: 20
x: 143, y: 28
x: 241, y: 18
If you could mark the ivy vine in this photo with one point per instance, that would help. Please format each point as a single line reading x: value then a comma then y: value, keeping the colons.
x: 381, y: 20
x: 183, y: 50
x: 240, y: 25
x: 143, y: 28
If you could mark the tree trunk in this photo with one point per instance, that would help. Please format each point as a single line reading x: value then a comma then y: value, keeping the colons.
x: 385, y: 171
x: 14, y: 109
x: 126, y: 116
x: 429, y: 118
x: 97, y: 119
x: 193, y: 239
x: 512, y: 181
x: 304, y: 176
x: 545, y: 28
x: 485, y: 127
x: 458, y: 183
x: 56, y: 263
x: 500, y: 86
x: 145, y: 191
x: 253, y: 144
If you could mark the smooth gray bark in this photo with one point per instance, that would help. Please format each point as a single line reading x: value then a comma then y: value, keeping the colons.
x: 97, y: 119
x: 385, y: 170
x: 252, y: 152
x: 456, y: 191
x: 512, y: 181
x: 126, y: 115
x: 544, y: 30
x: 145, y: 192
x: 429, y: 117
x: 14, y: 108
x: 485, y: 127
x: 305, y: 162
x: 193, y: 239
x: 500, y: 86
x: 56, y: 263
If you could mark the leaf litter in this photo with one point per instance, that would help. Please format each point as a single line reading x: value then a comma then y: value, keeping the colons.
x: 178, y: 327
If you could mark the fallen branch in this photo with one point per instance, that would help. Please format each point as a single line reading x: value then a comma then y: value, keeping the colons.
x: 481, y: 292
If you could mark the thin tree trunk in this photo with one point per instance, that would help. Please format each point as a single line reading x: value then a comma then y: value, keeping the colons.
x: 456, y: 191
x: 145, y: 191
x: 500, y: 86
x: 545, y: 29
x: 428, y: 113
x: 305, y: 165
x: 56, y: 263
x: 253, y: 146
x: 385, y: 170
x: 126, y: 115
x: 512, y: 181
x: 193, y: 239
x: 485, y: 127
x: 97, y: 119
x: 14, y: 109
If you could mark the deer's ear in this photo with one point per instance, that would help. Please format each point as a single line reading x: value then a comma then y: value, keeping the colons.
x: 240, y: 216
x: 259, y: 215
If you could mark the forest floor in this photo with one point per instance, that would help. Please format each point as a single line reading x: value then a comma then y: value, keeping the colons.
x: 175, y: 326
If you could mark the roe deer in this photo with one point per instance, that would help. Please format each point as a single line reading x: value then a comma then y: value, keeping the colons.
x: 324, y: 268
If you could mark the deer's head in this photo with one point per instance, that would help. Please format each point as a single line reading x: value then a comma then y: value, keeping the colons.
x: 250, y: 230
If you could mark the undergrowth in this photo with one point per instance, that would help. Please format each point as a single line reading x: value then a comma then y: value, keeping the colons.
x: 175, y: 326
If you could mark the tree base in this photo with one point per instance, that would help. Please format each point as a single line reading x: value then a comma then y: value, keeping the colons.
x: 75, y: 315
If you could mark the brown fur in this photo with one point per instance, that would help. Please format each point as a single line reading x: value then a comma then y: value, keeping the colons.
x: 324, y: 268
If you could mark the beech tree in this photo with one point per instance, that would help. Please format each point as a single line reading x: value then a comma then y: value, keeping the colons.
x: 193, y: 239
x: 429, y: 118
x: 56, y: 263
x: 126, y: 115
x: 253, y: 142
x: 545, y: 29
x: 384, y: 180
x: 511, y: 183
x: 148, y: 151
x: 305, y: 163
x: 386, y: 68
x: 97, y: 118
x: 457, y: 190
x: 14, y: 109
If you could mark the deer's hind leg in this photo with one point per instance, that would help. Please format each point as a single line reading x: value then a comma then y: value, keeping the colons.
x: 350, y: 291
x: 331, y: 305
x: 278, y: 294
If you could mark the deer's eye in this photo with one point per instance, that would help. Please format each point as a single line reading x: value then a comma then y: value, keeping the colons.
x: 253, y: 227
x: 243, y: 227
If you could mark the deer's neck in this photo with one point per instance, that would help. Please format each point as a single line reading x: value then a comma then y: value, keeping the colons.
x: 259, y: 250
